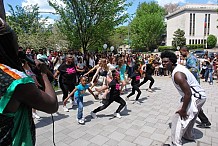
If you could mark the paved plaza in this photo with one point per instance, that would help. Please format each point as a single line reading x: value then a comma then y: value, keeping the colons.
x: 141, y: 125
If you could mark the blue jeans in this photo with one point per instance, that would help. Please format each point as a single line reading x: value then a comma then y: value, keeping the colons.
x: 79, y: 101
x: 209, y: 73
x: 196, y: 75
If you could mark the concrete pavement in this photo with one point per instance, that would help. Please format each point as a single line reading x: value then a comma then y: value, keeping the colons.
x: 141, y: 125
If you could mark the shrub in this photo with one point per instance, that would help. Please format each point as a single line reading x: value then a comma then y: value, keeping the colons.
x: 211, y: 41
x: 164, y: 48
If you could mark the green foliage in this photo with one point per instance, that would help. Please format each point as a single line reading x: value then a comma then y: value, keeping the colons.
x: 25, y: 19
x: 119, y: 36
x: 88, y: 23
x: 195, y: 46
x: 164, y: 48
x: 179, y: 38
x: 31, y: 28
x: 147, y: 26
x: 211, y: 41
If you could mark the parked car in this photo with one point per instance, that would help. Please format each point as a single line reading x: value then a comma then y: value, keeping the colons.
x: 212, y: 54
x: 199, y: 53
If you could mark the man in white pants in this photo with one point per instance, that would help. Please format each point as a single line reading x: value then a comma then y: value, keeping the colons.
x: 193, y: 98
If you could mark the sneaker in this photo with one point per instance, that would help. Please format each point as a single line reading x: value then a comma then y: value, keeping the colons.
x: 127, y: 98
x: 211, y: 83
x: 65, y: 109
x: 81, y: 121
x: 137, y: 102
x: 117, y: 115
x: 204, y: 125
x: 149, y: 90
x: 93, y: 115
x: 35, y: 115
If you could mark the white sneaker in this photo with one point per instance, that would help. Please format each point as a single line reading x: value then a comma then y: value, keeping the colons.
x: 80, y: 121
x: 65, y: 109
x: 149, y: 90
x: 117, y: 115
x: 127, y: 98
x: 35, y: 115
x: 137, y: 102
x: 93, y: 115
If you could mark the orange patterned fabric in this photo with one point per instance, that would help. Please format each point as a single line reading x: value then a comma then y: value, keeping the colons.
x: 9, y: 72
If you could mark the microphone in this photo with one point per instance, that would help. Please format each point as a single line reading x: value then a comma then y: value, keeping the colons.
x: 25, y: 57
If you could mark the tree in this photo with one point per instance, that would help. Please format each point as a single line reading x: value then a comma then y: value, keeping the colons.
x: 25, y: 19
x: 147, y: 26
x: 211, y: 41
x: 32, y: 30
x: 119, y: 36
x: 179, y: 38
x: 88, y: 23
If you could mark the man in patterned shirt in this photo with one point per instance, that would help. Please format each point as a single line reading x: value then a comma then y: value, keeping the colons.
x: 18, y: 92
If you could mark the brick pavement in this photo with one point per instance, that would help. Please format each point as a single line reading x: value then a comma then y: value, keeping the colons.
x: 141, y: 125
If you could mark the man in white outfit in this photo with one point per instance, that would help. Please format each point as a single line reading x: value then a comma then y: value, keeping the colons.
x: 193, y: 98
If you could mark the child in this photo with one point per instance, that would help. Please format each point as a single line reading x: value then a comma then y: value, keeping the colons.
x: 122, y: 69
x: 79, y: 93
x: 113, y: 95
x: 135, y: 83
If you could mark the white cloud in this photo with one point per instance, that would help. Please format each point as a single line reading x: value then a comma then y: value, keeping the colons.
x: 43, y: 7
x: 43, y: 4
x: 212, y: 2
x: 163, y: 2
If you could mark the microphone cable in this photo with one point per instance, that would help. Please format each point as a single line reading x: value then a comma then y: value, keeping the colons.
x: 53, y: 128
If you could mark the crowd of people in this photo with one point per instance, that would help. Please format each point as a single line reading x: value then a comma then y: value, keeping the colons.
x: 74, y: 73
x: 77, y: 72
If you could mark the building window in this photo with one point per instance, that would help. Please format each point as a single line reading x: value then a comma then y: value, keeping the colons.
x: 193, y: 33
x: 208, y: 25
x: 199, y: 41
x: 190, y: 28
x: 205, y: 25
x: 196, y: 41
x: 193, y: 42
x: 190, y: 42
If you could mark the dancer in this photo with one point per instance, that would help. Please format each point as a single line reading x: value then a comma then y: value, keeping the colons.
x: 148, y: 72
x: 113, y: 95
x: 67, y: 78
x: 79, y: 92
x: 193, y: 98
x: 122, y: 69
x: 135, y: 83
x: 192, y: 64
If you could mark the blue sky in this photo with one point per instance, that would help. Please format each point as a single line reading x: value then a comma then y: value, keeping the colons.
x: 44, y: 7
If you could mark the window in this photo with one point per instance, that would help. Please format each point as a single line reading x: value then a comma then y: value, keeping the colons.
x: 208, y: 25
x: 190, y: 42
x: 199, y: 41
x: 205, y: 25
x: 196, y: 41
x: 193, y: 33
x: 190, y: 28
x: 193, y: 41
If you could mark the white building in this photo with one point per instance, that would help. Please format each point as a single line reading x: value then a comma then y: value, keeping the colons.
x: 197, y: 20
x: 124, y: 49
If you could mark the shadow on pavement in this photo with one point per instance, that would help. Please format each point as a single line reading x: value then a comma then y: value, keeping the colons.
x: 44, y: 121
x: 123, y: 113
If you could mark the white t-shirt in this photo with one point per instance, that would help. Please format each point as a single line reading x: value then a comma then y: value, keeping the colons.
x: 190, y: 79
